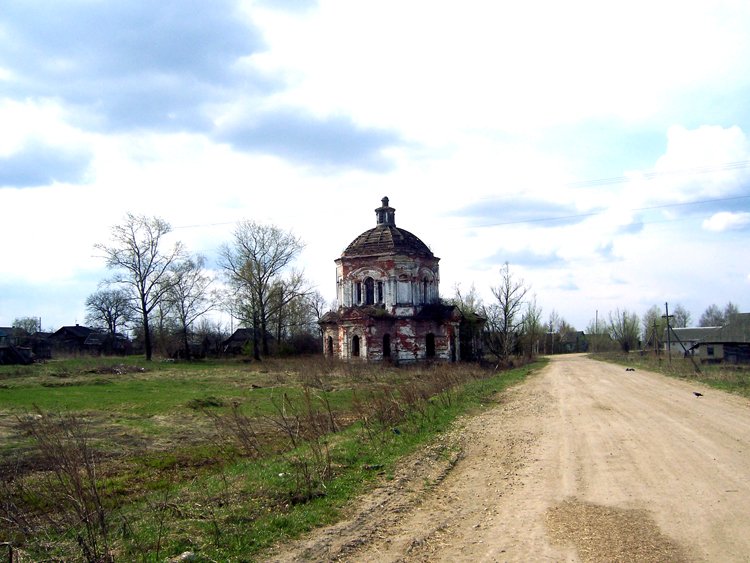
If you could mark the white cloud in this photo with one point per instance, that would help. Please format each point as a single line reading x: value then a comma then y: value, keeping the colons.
x: 482, y: 100
x: 727, y: 221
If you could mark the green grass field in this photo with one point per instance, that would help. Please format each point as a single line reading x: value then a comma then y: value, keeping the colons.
x: 218, y: 458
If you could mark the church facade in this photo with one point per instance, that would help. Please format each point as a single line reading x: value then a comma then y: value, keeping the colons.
x: 389, y: 309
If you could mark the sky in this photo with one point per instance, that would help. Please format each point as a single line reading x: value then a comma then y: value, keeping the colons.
x: 600, y: 148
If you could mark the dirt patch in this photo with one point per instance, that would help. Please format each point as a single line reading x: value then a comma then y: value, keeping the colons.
x: 608, y: 534
x: 373, y: 518
x: 582, y: 462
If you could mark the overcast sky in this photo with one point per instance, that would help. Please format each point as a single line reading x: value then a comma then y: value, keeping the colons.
x: 600, y: 148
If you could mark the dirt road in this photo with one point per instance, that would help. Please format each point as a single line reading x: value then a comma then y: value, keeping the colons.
x: 583, y: 462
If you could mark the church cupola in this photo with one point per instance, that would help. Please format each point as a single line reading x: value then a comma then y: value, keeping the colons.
x: 385, y: 214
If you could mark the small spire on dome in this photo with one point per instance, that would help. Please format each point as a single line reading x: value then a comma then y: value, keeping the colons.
x: 385, y: 214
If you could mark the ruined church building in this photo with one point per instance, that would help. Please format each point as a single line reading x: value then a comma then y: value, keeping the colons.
x: 387, y: 286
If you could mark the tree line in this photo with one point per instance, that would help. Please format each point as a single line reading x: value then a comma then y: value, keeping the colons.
x: 162, y: 292
x: 158, y: 288
x: 512, y: 323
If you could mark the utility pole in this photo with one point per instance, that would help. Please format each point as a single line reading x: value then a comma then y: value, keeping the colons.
x: 596, y: 328
x: 669, y: 336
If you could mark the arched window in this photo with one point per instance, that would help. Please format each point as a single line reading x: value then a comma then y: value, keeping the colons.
x: 380, y: 292
x: 430, y: 345
x: 425, y: 285
x: 358, y: 293
x: 387, y: 346
x: 355, y: 346
x: 329, y: 346
x: 369, y: 291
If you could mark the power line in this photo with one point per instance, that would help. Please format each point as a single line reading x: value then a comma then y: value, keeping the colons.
x: 594, y: 213
x: 737, y: 165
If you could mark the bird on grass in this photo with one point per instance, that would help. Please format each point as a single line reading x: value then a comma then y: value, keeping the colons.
x: 697, y: 394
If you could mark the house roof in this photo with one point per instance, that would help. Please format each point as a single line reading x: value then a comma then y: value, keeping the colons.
x: 240, y: 335
x: 737, y: 330
x: 386, y: 238
x: 572, y: 337
x: 76, y: 331
x: 690, y: 334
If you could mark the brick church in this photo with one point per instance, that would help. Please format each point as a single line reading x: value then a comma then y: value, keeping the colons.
x: 387, y: 287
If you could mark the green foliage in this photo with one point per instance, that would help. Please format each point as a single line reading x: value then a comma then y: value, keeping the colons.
x: 278, y: 467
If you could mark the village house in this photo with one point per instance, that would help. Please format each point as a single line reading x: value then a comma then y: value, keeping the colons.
x: 70, y: 339
x: 729, y: 343
x: 683, y: 341
x: 389, y: 308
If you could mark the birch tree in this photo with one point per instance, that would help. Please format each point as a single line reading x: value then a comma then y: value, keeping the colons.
x: 504, y: 314
x: 258, y: 266
x: 141, y: 259
x: 189, y: 296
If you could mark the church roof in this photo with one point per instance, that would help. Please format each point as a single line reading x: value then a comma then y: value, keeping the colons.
x: 386, y: 238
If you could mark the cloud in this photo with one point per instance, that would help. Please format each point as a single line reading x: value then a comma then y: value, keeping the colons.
x: 526, y: 258
x: 569, y: 285
x: 633, y: 228
x: 288, y: 5
x: 40, y: 164
x: 496, y: 212
x: 130, y: 64
x: 303, y: 138
x: 727, y: 221
x: 705, y: 163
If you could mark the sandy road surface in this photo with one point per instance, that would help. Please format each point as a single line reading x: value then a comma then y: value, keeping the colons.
x: 583, y: 462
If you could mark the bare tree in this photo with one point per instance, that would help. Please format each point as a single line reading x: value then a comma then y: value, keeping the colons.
x: 623, y: 327
x: 681, y: 317
x: 258, y: 266
x: 109, y: 309
x: 141, y: 264
x: 503, y: 315
x: 730, y: 310
x: 318, y: 307
x: 467, y: 302
x: 532, y: 329
x: 712, y: 316
x: 188, y: 295
x: 472, y: 334
x: 599, y: 336
x: 653, y: 327
x: 28, y: 325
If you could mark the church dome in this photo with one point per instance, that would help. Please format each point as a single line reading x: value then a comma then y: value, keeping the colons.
x: 386, y: 238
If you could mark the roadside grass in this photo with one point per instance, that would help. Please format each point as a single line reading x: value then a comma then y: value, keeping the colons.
x: 298, y: 449
x: 729, y: 378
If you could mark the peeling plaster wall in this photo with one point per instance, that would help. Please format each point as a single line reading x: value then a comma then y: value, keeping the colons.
x: 405, y: 280
x: 408, y: 340
x: 390, y: 300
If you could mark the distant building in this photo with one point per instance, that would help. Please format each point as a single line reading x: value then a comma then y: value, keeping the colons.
x: 12, y: 347
x: 387, y: 286
x: 70, y: 339
x: 682, y: 340
x: 241, y: 340
x: 729, y: 343
x: 574, y: 341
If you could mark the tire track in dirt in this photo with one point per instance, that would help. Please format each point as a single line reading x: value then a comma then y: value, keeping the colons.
x: 582, y: 462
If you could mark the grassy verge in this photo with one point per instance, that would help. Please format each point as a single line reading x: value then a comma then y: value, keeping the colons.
x: 730, y: 378
x: 269, y: 471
